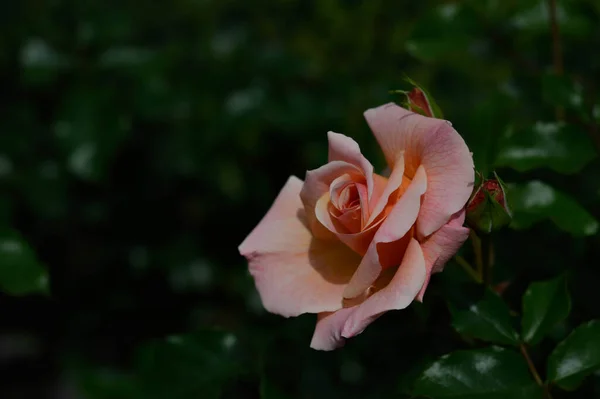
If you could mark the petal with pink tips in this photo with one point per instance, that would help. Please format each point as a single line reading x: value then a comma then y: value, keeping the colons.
x: 443, y: 245
x: 435, y: 145
x: 294, y: 272
x: 328, y: 331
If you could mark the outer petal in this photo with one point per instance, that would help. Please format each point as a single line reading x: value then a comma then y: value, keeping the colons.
x: 442, y: 245
x: 294, y: 272
x: 398, y: 294
x: 394, y: 227
x: 332, y: 328
x: 328, y: 332
x: 434, y: 144
x: 343, y: 148
x: 317, y: 183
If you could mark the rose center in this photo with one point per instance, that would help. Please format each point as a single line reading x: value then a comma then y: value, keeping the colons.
x: 347, y: 204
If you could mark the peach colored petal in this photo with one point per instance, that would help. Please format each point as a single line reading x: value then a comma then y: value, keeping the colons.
x: 343, y: 148
x: 349, y: 220
x: 358, y: 242
x: 434, y: 144
x: 442, y: 245
x: 317, y: 183
x: 332, y: 328
x: 328, y: 332
x: 338, y: 187
x: 393, y: 183
x: 394, y: 227
x: 294, y: 272
x: 398, y: 294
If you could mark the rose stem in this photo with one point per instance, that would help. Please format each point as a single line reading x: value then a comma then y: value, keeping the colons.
x: 477, y: 250
x: 487, y: 257
x: 468, y: 268
x: 533, y: 370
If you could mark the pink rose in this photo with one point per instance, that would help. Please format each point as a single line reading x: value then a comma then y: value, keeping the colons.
x: 350, y: 244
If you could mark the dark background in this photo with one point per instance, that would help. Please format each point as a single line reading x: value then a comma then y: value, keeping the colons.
x: 140, y: 142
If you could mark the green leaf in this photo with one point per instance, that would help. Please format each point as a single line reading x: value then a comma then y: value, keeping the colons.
x: 20, y: 271
x: 490, y: 373
x: 545, y: 304
x: 576, y: 357
x: 487, y: 319
x: 560, y: 90
x: 558, y: 146
x: 535, y: 201
x: 446, y: 31
x: 187, y: 366
x: 89, y: 130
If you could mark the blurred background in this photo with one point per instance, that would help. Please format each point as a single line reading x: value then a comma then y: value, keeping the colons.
x: 140, y: 142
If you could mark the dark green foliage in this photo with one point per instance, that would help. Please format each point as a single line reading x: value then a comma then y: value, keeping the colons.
x: 493, y: 373
x: 140, y: 142
x: 576, y: 357
x: 545, y: 304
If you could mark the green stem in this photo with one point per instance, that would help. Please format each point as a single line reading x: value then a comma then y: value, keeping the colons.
x: 476, y: 241
x: 487, y: 259
x: 534, y: 372
x: 468, y: 268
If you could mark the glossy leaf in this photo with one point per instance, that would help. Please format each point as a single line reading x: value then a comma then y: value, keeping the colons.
x: 195, y: 365
x: 576, y: 357
x: 20, y: 271
x: 487, y: 319
x: 490, y: 373
x: 536, y: 201
x: 558, y: 146
x: 545, y: 304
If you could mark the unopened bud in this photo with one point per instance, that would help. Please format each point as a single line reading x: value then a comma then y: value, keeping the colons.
x: 488, y: 210
x: 418, y: 100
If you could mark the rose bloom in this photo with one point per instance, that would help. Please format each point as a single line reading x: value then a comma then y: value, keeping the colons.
x: 350, y: 244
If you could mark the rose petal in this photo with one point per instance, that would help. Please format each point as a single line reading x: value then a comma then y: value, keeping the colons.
x: 394, y: 227
x: 343, y: 148
x: 358, y: 242
x: 398, y: 294
x: 442, y: 245
x: 328, y: 331
x: 393, y: 183
x: 294, y: 272
x: 434, y: 144
x: 332, y: 328
x: 317, y: 183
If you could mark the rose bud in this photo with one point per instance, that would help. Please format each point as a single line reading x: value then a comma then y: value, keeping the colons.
x: 418, y: 100
x: 488, y: 210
